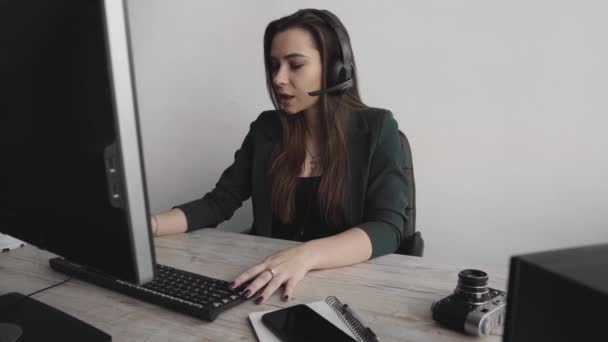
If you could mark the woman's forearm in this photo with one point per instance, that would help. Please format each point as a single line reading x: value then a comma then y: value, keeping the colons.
x: 169, y: 222
x: 347, y: 248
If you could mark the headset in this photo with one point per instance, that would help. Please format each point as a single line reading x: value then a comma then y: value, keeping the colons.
x: 340, y: 71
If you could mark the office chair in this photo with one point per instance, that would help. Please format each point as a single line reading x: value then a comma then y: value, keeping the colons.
x: 412, y: 244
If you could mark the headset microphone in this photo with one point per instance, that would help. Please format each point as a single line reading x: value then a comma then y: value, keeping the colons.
x: 337, y: 88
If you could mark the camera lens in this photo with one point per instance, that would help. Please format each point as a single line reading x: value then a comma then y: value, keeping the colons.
x: 473, y: 287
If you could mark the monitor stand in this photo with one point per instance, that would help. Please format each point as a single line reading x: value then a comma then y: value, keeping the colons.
x: 10, y: 332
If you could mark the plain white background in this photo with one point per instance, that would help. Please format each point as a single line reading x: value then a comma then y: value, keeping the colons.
x: 504, y: 103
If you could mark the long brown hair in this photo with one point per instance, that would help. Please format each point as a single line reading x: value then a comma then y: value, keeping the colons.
x: 290, y: 153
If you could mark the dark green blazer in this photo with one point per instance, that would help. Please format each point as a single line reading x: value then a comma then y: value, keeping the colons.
x: 376, y: 179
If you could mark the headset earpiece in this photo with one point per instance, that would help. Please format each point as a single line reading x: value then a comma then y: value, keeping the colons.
x: 339, y: 70
x: 336, y: 74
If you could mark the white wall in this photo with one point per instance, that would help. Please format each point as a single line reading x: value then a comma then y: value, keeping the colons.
x: 504, y: 103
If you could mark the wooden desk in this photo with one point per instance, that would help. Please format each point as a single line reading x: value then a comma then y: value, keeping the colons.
x: 393, y: 293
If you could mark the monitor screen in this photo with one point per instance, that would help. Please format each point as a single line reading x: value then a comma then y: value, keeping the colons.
x: 72, y: 176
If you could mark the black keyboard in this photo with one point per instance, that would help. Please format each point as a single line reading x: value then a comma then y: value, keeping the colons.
x: 182, y: 291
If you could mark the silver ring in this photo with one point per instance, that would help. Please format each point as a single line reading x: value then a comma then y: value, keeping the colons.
x: 272, y: 272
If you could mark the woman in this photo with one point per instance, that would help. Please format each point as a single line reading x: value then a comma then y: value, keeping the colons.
x: 323, y: 168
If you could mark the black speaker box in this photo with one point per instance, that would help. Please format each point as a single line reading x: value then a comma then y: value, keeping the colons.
x: 559, y: 295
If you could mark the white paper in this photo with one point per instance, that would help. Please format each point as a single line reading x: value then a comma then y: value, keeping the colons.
x: 8, y: 243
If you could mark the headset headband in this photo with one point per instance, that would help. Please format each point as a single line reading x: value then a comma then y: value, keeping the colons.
x: 331, y: 20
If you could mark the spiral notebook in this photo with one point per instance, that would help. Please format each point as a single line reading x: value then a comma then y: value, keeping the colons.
x: 333, y: 310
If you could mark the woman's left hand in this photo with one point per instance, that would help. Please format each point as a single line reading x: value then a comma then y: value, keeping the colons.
x: 289, y: 266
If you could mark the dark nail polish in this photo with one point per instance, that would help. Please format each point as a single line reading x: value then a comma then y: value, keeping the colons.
x: 259, y: 300
x: 246, y: 293
x: 285, y: 297
x: 231, y: 285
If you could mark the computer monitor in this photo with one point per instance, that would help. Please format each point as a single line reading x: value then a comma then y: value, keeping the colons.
x: 72, y: 177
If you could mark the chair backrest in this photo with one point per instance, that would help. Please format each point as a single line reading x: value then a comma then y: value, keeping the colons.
x: 412, y: 243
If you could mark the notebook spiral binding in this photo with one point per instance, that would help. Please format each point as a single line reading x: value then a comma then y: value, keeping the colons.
x: 354, y: 325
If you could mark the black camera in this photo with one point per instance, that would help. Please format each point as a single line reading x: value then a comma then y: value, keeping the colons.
x: 474, y: 308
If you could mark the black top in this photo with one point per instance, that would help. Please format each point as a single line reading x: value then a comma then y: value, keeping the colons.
x: 308, y: 223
